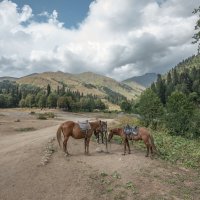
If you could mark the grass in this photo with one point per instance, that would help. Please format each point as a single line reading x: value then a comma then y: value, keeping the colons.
x: 103, y: 174
x: 25, y: 129
x: 116, y: 175
x: 112, y: 185
x: 175, y: 149
x: 44, y: 116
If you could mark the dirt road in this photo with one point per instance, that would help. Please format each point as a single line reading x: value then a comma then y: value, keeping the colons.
x: 25, y: 176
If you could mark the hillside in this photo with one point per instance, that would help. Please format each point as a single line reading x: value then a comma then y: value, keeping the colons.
x: 145, y: 80
x: 8, y: 78
x: 88, y: 83
x: 184, y: 77
x: 189, y: 63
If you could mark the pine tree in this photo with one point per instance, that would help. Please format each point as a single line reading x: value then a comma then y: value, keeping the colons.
x: 48, y: 90
x: 161, y: 88
x: 174, y: 77
x: 150, y: 107
x: 196, y: 36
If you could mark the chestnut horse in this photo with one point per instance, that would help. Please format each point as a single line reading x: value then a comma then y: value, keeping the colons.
x: 103, y: 133
x: 143, y: 134
x: 72, y: 129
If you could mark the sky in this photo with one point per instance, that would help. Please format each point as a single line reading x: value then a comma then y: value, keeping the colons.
x: 116, y: 38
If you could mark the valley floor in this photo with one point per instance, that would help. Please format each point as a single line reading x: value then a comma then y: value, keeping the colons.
x: 32, y: 166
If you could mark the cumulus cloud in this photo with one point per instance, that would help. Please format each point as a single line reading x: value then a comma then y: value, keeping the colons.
x: 118, y: 38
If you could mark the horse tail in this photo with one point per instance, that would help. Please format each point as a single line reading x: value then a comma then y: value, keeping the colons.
x: 151, y: 141
x: 58, y: 134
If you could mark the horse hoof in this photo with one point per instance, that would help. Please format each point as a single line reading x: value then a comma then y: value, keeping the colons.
x: 146, y: 155
x: 123, y: 154
x: 129, y: 152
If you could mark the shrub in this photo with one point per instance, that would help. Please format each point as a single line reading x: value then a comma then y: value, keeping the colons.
x: 46, y: 115
x: 42, y: 116
x: 25, y: 129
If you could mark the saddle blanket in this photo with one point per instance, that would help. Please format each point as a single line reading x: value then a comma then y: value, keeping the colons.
x: 84, y: 125
x: 128, y: 130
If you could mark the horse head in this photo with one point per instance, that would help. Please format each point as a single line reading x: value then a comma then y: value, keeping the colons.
x: 104, y: 126
x: 101, y: 127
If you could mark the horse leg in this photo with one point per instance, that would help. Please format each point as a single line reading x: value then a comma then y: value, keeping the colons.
x: 65, y: 145
x: 87, y: 146
x: 124, y: 147
x: 102, y: 134
x: 147, y: 145
x: 98, y: 138
x: 85, y: 143
x: 151, y: 148
x: 129, y: 150
x: 106, y: 141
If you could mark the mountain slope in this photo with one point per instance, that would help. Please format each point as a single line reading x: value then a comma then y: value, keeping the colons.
x: 184, y: 78
x: 189, y: 63
x: 145, y: 80
x: 88, y: 83
x: 9, y: 78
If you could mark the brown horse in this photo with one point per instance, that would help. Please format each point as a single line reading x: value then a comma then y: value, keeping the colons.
x: 103, y: 133
x: 143, y: 134
x: 72, y: 129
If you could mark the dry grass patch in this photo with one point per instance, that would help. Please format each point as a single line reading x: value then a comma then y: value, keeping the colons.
x: 47, y: 115
x: 26, y: 129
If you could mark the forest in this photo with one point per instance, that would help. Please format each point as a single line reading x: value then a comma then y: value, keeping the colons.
x: 15, y: 95
x: 173, y: 101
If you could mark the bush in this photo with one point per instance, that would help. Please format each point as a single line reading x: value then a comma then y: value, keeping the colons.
x: 194, y: 129
x: 32, y: 113
x: 42, y: 116
x: 50, y: 115
x: 46, y: 115
x: 178, y: 150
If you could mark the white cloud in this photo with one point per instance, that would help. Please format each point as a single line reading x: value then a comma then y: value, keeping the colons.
x: 118, y: 38
x: 26, y: 13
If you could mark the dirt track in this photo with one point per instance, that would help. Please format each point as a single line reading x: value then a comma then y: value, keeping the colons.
x: 99, y: 176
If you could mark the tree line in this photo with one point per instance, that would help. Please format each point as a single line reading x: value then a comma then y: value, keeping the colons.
x: 15, y: 95
x: 173, y: 101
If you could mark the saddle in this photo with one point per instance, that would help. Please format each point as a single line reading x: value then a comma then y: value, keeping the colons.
x: 84, y: 126
x: 131, y: 130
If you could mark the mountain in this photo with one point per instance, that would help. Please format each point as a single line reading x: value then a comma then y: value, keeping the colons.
x: 87, y: 82
x: 189, y: 63
x: 9, y: 78
x: 145, y: 80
